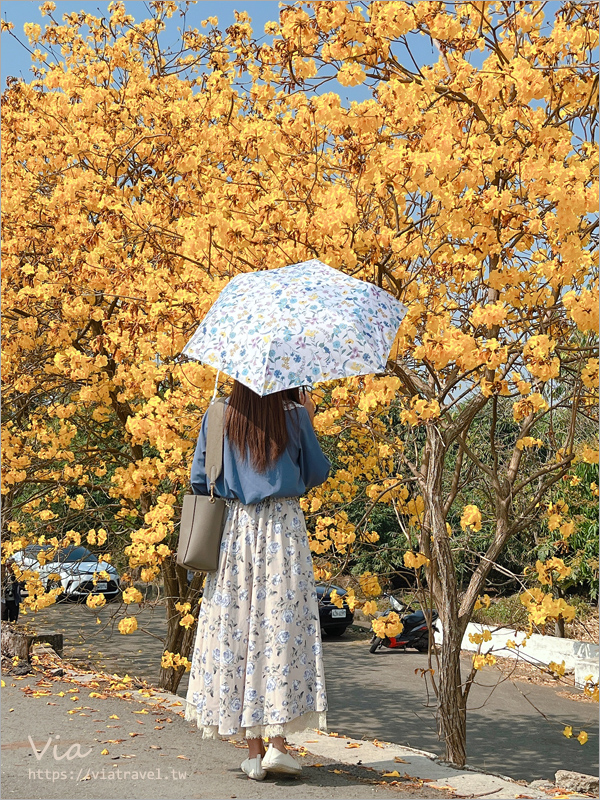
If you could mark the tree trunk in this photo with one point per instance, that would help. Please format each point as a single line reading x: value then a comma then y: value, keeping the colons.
x: 452, y: 712
x: 178, y: 639
x: 559, y: 625
x: 452, y: 723
x: 18, y: 643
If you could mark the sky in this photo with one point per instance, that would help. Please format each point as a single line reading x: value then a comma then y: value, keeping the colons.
x: 15, y: 60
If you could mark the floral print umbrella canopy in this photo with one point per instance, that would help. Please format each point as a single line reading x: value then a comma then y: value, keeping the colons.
x: 295, y: 326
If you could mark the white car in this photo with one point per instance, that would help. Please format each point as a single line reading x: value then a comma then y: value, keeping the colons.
x: 75, y: 567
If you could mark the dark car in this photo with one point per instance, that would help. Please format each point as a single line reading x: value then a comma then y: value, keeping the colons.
x: 334, y: 620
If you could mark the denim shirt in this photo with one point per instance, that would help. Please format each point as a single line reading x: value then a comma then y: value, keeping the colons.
x: 300, y: 467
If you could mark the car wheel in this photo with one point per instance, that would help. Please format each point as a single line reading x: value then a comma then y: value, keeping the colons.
x: 375, y: 644
x: 337, y: 630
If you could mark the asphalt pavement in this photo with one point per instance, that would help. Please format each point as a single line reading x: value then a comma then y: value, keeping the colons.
x: 514, y: 728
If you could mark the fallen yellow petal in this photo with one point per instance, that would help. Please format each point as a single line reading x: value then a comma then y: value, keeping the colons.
x: 582, y: 738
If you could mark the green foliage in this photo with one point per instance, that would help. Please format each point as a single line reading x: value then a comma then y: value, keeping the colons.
x: 509, y: 611
x: 503, y: 611
x: 580, y: 551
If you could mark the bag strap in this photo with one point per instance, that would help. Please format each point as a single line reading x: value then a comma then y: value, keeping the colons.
x: 213, y: 462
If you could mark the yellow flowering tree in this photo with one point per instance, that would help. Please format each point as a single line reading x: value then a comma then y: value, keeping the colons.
x: 138, y: 180
x: 472, y: 194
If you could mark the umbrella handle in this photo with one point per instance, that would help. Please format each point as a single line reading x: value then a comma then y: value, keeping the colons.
x: 214, y: 397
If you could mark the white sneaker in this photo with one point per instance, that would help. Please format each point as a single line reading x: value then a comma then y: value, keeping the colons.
x: 283, y: 763
x: 254, y: 769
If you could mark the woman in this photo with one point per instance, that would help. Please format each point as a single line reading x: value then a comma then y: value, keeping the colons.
x: 257, y: 665
x: 11, y: 593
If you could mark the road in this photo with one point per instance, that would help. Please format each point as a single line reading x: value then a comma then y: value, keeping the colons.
x: 514, y: 728
x: 109, y: 749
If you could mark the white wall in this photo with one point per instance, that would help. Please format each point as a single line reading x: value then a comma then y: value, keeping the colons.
x: 581, y: 657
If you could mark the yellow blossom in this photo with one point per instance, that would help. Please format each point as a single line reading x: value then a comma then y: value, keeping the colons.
x: 471, y: 518
x: 132, y: 595
x: 415, y: 560
x: 479, y: 661
x: 369, y: 584
x: 558, y: 669
x: 128, y: 625
x: 482, y: 602
x: 389, y: 625
x: 370, y: 607
x: 95, y: 600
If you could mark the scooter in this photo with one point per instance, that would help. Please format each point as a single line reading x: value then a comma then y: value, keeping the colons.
x: 415, y: 632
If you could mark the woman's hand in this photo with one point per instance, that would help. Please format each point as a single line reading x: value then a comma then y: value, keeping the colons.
x: 308, y: 403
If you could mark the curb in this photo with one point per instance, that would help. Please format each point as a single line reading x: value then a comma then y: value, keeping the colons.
x: 408, y: 762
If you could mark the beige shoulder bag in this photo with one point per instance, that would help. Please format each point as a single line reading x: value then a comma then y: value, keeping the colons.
x: 203, y: 516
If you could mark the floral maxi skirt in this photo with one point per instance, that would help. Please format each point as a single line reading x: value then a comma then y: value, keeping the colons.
x: 257, y: 665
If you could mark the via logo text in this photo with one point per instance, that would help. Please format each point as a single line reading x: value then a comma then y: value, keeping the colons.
x: 74, y: 750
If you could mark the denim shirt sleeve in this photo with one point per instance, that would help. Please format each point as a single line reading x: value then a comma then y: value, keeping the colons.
x: 314, y: 464
x: 301, y: 467
x: 198, y: 473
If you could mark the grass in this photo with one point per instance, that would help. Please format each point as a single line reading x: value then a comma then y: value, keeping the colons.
x: 503, y: 611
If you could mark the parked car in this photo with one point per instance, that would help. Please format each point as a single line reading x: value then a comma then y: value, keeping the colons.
x: 74, y: 567
x: 334, y: 620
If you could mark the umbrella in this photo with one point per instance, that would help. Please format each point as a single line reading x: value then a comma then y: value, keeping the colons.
x: 295, y: 326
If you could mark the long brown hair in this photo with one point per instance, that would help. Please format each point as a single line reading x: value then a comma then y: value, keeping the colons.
x: 256, y: 425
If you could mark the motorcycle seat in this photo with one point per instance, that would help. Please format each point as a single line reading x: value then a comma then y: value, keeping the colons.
x: 414, y: 619
x: 417, y: 618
